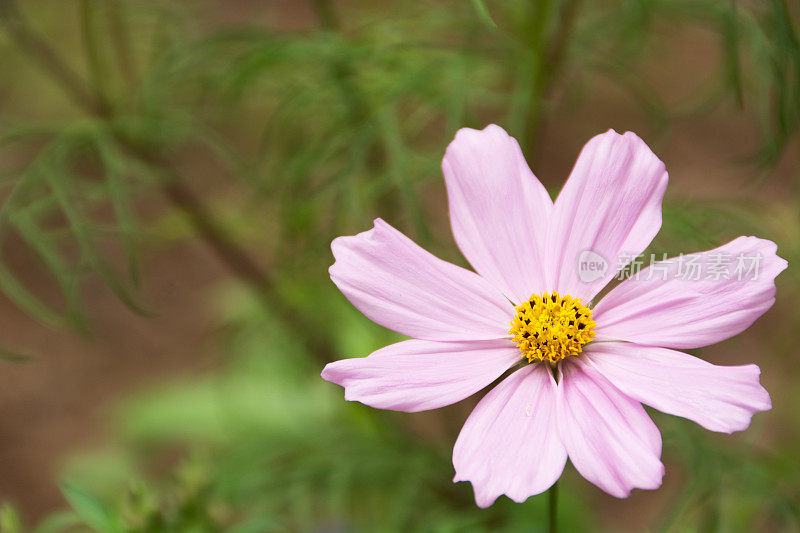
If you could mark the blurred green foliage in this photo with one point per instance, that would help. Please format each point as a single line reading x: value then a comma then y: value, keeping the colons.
x: 320, y: 130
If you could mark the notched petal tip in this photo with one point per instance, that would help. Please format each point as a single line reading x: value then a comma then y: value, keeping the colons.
x: 468, y: 134
x: 620, y: 143
x: 485, y: 501
x: 758, y: 397
x: 329, y: 373
x: 768, y: 248
x: 344, y: 242
x: 468, y: 142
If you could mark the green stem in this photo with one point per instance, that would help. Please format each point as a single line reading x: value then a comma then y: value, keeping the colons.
x: 552, y: 508
x: 120, y: 40
x: 98, y: 74
x: 540, y: 64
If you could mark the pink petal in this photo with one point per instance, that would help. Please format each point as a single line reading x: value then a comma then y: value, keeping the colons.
x: 510, y: 444
x: 609, y: 437
x: 498, y: 209
x: 672, y: 311
x: 402, y: 287
x: 719, y: 398
x: 610, y: 206
x: 416, y: 375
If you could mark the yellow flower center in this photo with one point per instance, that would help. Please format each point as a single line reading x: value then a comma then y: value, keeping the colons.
x: 551, y: 327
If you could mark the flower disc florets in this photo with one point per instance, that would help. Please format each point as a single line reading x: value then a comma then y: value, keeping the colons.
x: 550, y: 327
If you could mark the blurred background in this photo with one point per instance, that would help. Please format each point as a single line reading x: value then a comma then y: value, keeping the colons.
x: 172, y: 174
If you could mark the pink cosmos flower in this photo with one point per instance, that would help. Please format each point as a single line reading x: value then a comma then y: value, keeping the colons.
x: 583, y: 369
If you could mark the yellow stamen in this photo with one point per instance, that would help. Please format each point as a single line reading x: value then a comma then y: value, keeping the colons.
x: 551, y: 327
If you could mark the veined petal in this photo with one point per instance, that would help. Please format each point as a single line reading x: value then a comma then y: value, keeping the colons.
x: 510, y: 444
x: 666, y: 306
x: 609, y: 437
x: 416, y: 375
x: 719, y: 398
x: 402, y: 287
x: 499, y: 211
x: 609, y: 207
